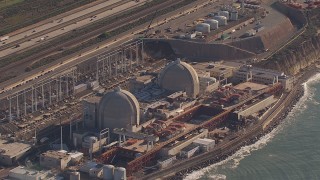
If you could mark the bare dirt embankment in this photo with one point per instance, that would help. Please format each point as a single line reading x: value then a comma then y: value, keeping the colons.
x: 269, y: 38
x: 304, y: 50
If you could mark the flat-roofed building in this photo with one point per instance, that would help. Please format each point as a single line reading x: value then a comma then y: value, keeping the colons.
x: 11, y: 152
x: 22, y: 172
x: 55, y: 159
x: 218, y: 70
x: 205, y: 144
x: 257, y: 75
x: 250, y: 86
x: 140, y: 82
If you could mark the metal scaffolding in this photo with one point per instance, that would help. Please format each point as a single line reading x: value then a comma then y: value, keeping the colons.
x: 120, y: 61
x: 41, y: 94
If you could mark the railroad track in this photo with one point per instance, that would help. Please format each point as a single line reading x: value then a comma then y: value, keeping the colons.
x: 186, y: 166
x: 62, y: 25
x: 225, y: 149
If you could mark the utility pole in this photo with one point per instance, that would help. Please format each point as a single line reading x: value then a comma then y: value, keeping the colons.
x: 61, y: 145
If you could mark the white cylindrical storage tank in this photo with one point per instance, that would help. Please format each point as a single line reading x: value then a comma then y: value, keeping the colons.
x: 108, y: 171
x: 120, y: 173
x: 203, y: 27
x: 234, y: 16
x: 221, y: 19
x: 74, y: 176
x: 214, y: 24
x: 224, y: 13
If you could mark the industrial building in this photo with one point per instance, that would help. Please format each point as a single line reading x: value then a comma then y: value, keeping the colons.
x: 140, y: 82
x: 10, y: 153
x: 169, y: 113
x: 189, y: 151
x: 262, y: 76
x: 116, y: 109
x: 105, y: 172
x: 55, y: 159
x: 90, y: 112
x: 218, y: 70
x: 256, y: 107
x: 166, y: 161
x: 180, y: 76
x: 88, y: 141
x: 176, y: 149
x: 205, y: 144
x: 119, y: 109
x: 21, y: 173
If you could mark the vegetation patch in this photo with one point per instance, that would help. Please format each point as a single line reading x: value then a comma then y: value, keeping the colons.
x: 16, y: 14
x: 7, y: 3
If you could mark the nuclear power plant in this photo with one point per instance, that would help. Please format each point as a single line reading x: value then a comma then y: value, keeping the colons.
x: 143, y: 94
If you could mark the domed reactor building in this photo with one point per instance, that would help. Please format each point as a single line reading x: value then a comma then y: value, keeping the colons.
x: 118, y: 109
x: 180, y: 76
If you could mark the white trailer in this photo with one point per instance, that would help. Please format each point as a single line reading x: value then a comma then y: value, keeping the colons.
x: 4, y: 38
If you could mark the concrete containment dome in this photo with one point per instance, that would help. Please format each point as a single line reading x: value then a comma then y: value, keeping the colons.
x: 118, y: 109
x: 179, y: 76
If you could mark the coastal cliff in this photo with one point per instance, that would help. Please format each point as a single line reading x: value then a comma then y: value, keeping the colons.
x: 304, y: 50
x: 291, y: 61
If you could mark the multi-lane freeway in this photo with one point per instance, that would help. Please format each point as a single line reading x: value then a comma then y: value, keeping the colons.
x: 46, y: 32
x: 17, y: 84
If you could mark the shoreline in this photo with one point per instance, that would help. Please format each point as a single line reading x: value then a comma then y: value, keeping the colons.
x: 247, y: 139
x: 278, y: 119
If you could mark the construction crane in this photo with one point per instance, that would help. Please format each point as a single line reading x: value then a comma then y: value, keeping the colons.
x: 148, y: 29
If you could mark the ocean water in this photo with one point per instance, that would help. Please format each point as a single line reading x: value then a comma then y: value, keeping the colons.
x: 290, y: 152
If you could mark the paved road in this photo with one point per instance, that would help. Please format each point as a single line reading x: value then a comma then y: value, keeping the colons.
x: 49, y: 31
x: 87, y: 54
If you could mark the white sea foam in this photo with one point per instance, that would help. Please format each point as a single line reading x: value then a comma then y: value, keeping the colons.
x: 218, y: 177
x: 234, y: 160
x: 307, y: 96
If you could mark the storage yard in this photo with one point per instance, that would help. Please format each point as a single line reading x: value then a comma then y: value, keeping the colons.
x: 124, y: 113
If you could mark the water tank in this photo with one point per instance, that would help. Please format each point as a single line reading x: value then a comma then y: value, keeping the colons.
x: 221, y: 19
x: 74, y: 176
x: 234, y: 16
x: 120, y: 173
x: 203, y: 27
x: 214, y: 24
x: 224, y: 13
x: 108, y: 171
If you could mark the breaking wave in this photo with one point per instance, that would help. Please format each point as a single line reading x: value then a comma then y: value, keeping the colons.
x: 233, y: 161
